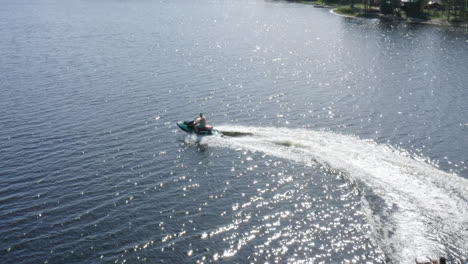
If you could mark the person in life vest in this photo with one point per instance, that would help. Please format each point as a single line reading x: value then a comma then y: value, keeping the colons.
x: 199, y: 123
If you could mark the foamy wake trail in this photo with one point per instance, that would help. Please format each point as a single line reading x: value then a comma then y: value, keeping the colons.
x: 425, y: 209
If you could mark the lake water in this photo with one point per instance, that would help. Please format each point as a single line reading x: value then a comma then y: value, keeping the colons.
x: 359, y: 149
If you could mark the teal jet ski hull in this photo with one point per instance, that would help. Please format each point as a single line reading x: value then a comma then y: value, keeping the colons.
x: 188, y: 127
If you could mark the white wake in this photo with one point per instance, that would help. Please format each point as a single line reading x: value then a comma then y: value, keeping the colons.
x: 426, y: 209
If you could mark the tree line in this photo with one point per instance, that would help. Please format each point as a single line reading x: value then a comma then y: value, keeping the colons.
x: 450, y: 10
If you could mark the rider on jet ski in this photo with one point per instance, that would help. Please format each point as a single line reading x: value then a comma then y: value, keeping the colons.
x: 199, y: 123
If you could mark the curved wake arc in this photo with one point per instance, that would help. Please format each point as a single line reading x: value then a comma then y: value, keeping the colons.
x: 426, y: 209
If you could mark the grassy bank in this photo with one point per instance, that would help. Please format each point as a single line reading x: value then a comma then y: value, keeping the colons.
x: 310, y: 2
x: 317, y: 3
x: 357, y: 10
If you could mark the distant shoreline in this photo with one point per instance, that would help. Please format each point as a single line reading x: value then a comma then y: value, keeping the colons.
x: 434, y: 22
x: 336, y: 9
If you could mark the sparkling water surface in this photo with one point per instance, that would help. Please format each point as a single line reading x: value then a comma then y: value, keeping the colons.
x: 358, y: 152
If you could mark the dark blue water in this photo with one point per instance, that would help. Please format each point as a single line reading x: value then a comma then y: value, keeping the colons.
x: 359, y: 149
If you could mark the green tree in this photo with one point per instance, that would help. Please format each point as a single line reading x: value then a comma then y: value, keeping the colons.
x: 390, y: 7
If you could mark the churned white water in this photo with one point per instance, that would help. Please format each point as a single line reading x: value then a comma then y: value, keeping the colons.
x: 422, y: 205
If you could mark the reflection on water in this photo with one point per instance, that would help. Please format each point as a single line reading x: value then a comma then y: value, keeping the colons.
x: 415, y: 200
x: 94, y: 168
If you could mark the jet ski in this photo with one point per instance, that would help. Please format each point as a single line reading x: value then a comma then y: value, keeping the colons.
x: 188, y: 127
